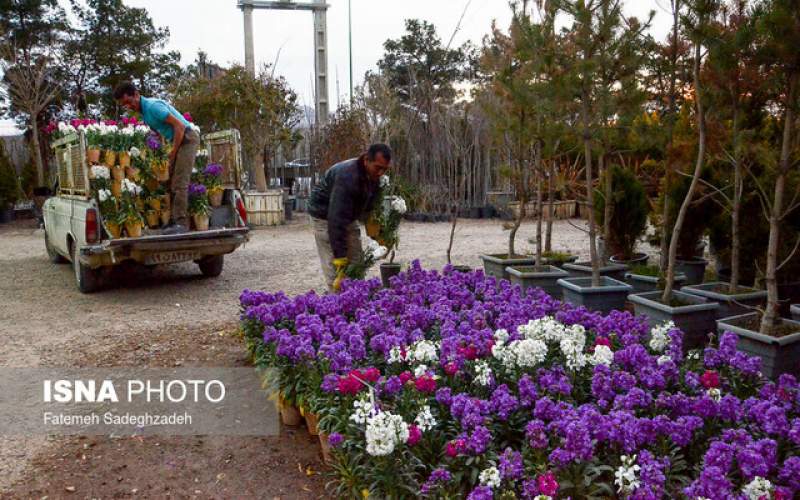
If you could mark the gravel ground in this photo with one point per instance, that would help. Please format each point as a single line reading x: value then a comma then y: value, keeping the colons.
x: 141, y: 319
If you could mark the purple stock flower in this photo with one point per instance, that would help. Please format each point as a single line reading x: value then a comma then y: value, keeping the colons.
x: 153, y: 142
x: 510, y: 464
x: 196, y: 189
x: 213, y: 170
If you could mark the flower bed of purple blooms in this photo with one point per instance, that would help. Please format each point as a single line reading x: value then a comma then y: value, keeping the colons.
x: 453, y: 385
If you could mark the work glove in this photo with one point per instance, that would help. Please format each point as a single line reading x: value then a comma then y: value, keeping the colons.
x: 340, y: 265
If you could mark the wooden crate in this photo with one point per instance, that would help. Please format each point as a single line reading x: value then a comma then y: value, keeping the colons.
x: 265, y: 209
x: 561, y: 209
x: 225, y: 148
x: 70, y: 155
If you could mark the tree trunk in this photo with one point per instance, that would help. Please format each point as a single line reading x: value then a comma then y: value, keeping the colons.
x: 539, y: 211
x: 587, y: 154
x: 771, y: 311
x: 664, y: 261
x: 517, y: 223
x: 258, y: 171
x: 452, y: 235
x: 737, y: 203
x: 701, y: 150
x: 550, y: 209
x: 607, y: 206
x: 37, y: 151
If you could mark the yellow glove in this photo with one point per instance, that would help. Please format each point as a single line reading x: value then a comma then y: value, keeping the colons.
x: 340, y: 265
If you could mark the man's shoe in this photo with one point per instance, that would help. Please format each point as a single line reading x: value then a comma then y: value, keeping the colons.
x: 172, y: 229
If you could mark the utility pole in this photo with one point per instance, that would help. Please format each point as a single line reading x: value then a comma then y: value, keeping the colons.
x: 350, y: 43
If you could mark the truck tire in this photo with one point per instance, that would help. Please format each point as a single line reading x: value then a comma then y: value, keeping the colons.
x: 87, y: 279
x: 55, y: 257
x: 211, y: 266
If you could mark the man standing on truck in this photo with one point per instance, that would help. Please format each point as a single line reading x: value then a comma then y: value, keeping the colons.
x: 346, y: 194
x: 162, y: 117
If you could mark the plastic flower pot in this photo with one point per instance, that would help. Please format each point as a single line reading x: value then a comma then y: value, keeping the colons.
x: 325, y: 447
x: 694, y: 315
x: 795, y: 310
x: 312, y: 423
x: 215, y: 198
x: 109, y: 158
x: 638, y: 259
x: 584, y: 269
x: 496, y: 264
x: 643, y: 283
x: 93, y: 156
x: 694, y: 269
x: 290, y: 415
x: 132, y: 173
x: 200, y: 222
x: 606, y: 297
x: 117, y: 172
x: 113, y: 230
x: 778, y: 354
x: 133, y: 229
x: 729, y: 304
x: 387, y: 271
x: 153, y: 218
x: 165, y: 213
x: 116, y: 188
x: 544, y: 277
x: 124, y: 159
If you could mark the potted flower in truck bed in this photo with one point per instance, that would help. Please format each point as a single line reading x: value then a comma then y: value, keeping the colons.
x: 198, y: 206
x: 212, y: 180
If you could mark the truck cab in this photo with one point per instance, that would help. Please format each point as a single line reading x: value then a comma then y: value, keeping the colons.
x: 74, y: 229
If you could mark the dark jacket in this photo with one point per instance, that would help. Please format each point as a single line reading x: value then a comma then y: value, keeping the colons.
x: 344, y: 195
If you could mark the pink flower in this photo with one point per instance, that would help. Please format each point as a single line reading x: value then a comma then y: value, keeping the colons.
x: 453, y: 448
x: 602, y: 341
x: 405, y: 376
x: 110, y: 122
x: 349, y: 385
x: 469, y: 352
x: 371, y: 374
x: 414, y: 435
x: 710, y: 379
x: 425, y: 383
x: 188, y: 117
x: 547, y: 484
x: 451, y: 369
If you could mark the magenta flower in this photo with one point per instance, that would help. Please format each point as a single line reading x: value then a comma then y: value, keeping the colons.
x: 547, y: 484
x: 710, y: 379
x: 414, y: 435
x: 187, y: 117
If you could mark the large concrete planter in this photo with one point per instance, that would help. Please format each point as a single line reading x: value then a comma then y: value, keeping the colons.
x: 778, y: 354
x: 496, y: 264
x: 610, y: 295
x: 544, y: 277
x: 638, y: 259
x: 697, y: 318
x: 795, y: 310
x: 694, y: 269
x: 547, y: 261
x: 584, y: 269
x: 642, y: 283
x: 729, y: 305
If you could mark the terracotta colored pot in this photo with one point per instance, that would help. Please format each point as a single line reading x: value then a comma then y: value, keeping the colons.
x: 155, y: 203
x: 93, y: 155
x: 132, y: 173
x: 215, y: 197
x: 165, y: 201
x: 200, y: 222
x: 117, y: 172
x: 109, y: 158
x: 153, y: 218
x: 139, y: 204
x: 114, y: 230
x: 152, y: 184
x: 165, y: 216
x: 124, y: 159
x: 327, y: 456
x: 161, y: 170
x: 290, y: 415
x: 134, y: 229
x: 116, y: 188
x: 312, y: 423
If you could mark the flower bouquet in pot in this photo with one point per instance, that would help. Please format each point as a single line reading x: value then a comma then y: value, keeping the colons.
x: 109, y: 209
x: 212, y: 180
x: 93, y: 143
x: 130, y: 215
x: 199, y: 207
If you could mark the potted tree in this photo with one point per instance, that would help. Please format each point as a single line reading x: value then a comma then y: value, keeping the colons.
x: 627, y: 216
x: 693, y: 314
x: 646, y: 278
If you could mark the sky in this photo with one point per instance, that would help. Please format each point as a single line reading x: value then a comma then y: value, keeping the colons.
x: 284, y: 38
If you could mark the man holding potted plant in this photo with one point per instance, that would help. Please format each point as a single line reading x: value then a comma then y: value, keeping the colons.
x: 346, y: 194
x: 170, y: 124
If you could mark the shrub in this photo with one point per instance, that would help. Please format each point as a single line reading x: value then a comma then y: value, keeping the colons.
x: 628, y: 213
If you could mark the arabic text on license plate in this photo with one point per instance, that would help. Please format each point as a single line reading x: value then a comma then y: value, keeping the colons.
x: 170, y: 257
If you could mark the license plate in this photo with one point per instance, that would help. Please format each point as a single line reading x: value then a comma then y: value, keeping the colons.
x: 170, y: 257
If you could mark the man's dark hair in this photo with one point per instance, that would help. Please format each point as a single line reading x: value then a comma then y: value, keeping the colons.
x: 123, y: 89
x: 383, y: 149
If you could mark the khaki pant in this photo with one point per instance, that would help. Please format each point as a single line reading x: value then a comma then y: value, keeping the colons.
x: 320, y: 228
x: 181, y: 174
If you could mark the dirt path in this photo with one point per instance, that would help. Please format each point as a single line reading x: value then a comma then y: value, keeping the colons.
x: 173, y: 315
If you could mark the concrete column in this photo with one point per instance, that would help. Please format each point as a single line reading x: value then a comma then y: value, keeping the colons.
x: 249, y: 55
x: 321, y: 63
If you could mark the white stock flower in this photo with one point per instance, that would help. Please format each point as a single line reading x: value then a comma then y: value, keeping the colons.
x: 425, y: 419
x: 483, y: 374
x: 758, y: 488
x: 134, y: 152
x: 424, y: 351
x: 101, y: 172
x: 659, y: 336
x: 490, y: 477
x: 103, y: 194
x: 363, y: 409
x: 715, y: 394
x: 384, y: 432
x: 399, y: 205
x: 126, y: 131
x: 376, y: 249
x: 384, y: 181
x: 626, y: 475
x: 501, y: 336
x: 603, y: 355
x: 528, y: 352
x: 420, y: 370
x: 131, y: 187
x: 663, y: 359
x: 572, y: 345
x: 395, y: 355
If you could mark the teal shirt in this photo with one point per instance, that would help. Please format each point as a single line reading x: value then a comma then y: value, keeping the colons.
x: 154, y: 114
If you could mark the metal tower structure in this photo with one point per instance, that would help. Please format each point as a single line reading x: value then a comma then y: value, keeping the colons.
x: 319, y: 8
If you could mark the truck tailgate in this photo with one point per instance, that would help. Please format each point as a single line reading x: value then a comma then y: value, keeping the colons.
x: 191, y: 238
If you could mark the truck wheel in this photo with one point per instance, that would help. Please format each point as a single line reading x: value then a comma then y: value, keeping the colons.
x: 88, y: 279
x: 55, y: 257
x: 212, y: 266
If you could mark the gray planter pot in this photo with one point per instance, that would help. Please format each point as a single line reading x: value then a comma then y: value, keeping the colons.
x: 729, y: 305
x: 496, y: 264
x: 696, y: 319
x: 584, y: 269
x: 544, y: 277
x: 778, y: 354
x: 559, y: 263
x: 610, y: 295
x: 694, y: 269
x: 795, y: 310
x: 642, y: 283
x: 638, y: 259
x: 387, y: 271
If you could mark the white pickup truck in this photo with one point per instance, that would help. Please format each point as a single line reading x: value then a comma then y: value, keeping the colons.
x: 75, y: 231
